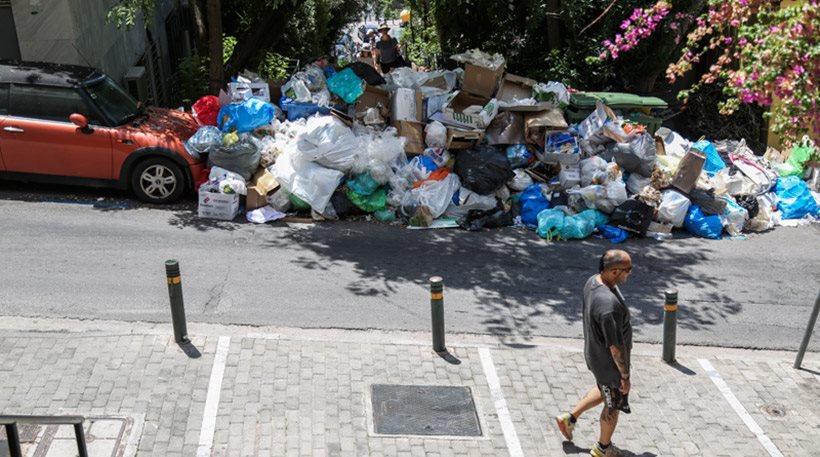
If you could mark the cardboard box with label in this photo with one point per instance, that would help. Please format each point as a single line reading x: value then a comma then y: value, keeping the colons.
x: 454, y: 112
x: 406, y: 105
x: 217, y: 205
x: 481, y: 81
x: 413, y: 132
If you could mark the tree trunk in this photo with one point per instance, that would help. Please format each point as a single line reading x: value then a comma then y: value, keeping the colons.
x: 215, y: 51
x: 200, y: 27
x: 553, y: 24
x: 264, y: 35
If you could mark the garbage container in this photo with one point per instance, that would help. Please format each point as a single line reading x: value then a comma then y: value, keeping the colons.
x: 633, y: 107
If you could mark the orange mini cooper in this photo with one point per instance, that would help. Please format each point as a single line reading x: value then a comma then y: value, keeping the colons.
x: 74, y: 125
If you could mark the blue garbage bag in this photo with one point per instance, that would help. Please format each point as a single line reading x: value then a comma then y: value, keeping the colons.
x: 346, y: 85
x: 518, y: 155
x: 246, y: 116
x: 701, y: 225
x: 363, y: 184
x: 713, y: 162
x: 550, y: 223
x: 532, y: 203
x: 613, y: 234
x: 794, y: 198
x: 581, y: 225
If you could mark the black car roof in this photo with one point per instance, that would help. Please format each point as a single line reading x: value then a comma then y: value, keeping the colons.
x: 43, y: 73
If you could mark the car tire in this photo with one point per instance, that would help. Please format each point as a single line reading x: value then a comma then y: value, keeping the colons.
x: 157, y: 180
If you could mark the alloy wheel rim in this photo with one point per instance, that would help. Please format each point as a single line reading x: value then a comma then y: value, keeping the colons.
x: 158, y: 181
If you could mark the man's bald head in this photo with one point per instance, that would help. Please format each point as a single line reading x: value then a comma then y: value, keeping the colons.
x: 614, y: 258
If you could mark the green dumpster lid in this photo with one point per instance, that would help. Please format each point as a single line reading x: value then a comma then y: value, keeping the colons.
x: 616, y: 100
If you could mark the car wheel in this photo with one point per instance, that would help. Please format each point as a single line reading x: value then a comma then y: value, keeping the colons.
x: 157, y: 180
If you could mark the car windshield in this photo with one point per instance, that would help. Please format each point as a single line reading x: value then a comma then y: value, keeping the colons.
x: 117, y: 104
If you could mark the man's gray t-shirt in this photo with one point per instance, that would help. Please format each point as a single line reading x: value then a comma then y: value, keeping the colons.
x: 606, y: 323
x: 387, y: 50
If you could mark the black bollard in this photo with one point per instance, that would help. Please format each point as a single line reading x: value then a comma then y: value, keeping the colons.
x: 437, y: 312
x: 670, y: 323
x: 809, y: 329
x: 177, y: 304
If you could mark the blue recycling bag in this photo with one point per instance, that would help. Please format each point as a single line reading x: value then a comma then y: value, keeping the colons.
x: 532, y: 203
x: 346, y: 85
x: 713, y: 162
x: 518, y: 155
x: 246, y: 116
x: 794, y: 198
x: 701, y: 225
x: 613, y: 234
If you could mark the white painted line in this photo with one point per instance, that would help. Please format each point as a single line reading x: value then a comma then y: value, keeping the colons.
x: 739, y: 409
x: 206, y: 434
x: 510, y: 436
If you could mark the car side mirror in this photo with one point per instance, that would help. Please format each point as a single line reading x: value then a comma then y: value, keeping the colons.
x: 79, y: 120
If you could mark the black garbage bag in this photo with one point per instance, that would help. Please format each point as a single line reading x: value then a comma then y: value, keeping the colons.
x: 367, y: 73
x: 477, y: 219
x: 709, y: 204
x: 633, y: 216
x: 749, y: 203
x: 483, y: 169
x: 343, y: 206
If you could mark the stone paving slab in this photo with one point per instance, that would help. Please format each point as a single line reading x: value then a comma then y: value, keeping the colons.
x: 307, y: 392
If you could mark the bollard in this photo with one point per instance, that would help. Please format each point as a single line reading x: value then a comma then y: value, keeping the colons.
x: 670, y: 323
x: 437, y: 312
x: 805, y: 344
x: 177, y: 304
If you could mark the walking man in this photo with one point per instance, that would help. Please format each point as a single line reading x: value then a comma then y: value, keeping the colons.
x: 607, y: 346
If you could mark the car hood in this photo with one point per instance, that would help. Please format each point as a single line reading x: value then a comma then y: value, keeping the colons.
x: 162, y: 121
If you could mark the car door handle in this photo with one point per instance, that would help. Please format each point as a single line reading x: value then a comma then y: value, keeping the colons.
x: 13, y: 129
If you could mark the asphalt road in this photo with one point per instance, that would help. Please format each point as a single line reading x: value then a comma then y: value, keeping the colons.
x: 99, y: 255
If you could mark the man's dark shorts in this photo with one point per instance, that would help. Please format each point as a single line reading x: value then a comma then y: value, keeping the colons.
x: 614, y: 399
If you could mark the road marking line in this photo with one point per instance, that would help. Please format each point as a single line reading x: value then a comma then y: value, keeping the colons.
x: 510, y: 436
x: 206, y: 434
x: 739, y: 409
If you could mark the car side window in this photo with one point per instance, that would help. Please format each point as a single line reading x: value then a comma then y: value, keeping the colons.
x: 4, y: 99
x: 48, y: 103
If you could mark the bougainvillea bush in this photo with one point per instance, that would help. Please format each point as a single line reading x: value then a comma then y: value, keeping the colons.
x: 765, y: 53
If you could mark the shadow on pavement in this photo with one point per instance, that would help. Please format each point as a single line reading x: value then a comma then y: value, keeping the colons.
x: 514, y: 275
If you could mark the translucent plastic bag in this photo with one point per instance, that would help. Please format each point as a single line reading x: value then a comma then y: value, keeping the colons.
x: 435, y: 135
x: 328, y: 142
x: 636, y: 183
x: 241, y: 157
x: 520, y: 181
x: 518, y: 155
x: 380, y: 155
x: 674, y: 208
x: 307, y: 180
x: 469, y: 201
x: 552, y: 92
x: 593, y: 171
x: 734, y: 217
x: 435, y: 195
x: 203, y: 141
x: 346, y: 85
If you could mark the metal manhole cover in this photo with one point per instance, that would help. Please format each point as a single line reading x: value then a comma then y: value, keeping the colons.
x: 424, y: 410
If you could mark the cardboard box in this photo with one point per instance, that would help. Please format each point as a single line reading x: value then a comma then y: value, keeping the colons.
x: 481, y: 81
x: 261, y: 185
x: 218, y: 206
x: 260, y: 90
x: 406, y: 106
x: 414, y: 133
x: 463, y: 139
x: 453, y: 113
x: 515, y: 87
x: 537, y: 125
x: 373, y: 97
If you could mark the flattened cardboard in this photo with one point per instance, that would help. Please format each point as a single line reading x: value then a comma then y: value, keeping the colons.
x: 536, y: 125
x: 406, y: 105
x: 413, y: 132
x: 463, y: 139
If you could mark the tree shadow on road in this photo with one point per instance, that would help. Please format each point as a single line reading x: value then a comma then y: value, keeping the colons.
x: 515, y: 276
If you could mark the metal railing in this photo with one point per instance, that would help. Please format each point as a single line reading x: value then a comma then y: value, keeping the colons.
x: 13, y: 436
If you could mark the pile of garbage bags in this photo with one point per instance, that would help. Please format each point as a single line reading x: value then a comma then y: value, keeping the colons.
x: 480, y: 148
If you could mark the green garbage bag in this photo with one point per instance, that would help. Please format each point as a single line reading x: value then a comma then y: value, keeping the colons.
x: 796, y: 163
x: 368, y: 203
x: 297, y: 203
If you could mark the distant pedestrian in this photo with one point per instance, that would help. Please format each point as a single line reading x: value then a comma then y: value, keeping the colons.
x: 607, y: 347
x: 386, y: 53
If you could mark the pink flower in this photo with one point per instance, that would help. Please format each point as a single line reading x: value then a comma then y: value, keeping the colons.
x: 798, y: 70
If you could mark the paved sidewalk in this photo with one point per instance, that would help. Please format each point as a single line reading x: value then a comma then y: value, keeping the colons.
x: 277, y: 392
